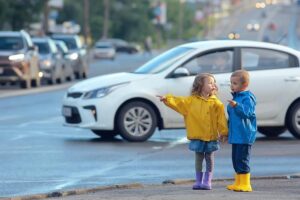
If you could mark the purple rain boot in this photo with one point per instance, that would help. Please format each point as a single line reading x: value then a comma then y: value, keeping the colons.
x: 198, y: 183
x: 206, y: 184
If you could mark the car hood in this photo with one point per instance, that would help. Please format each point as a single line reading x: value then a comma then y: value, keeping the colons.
x: 106, y: 80
x: 4, y: 53
x: 45, y: 56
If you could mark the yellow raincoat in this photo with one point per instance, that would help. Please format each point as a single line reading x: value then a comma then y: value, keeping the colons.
x: 204, y: 118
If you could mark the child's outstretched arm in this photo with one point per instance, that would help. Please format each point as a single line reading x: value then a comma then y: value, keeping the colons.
x: 179, y: 104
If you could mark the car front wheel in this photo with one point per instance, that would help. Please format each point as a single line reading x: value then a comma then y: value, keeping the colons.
x: 136, y: 121
x: 293, y: 120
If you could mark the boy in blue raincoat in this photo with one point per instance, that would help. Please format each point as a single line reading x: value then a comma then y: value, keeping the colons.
x: 242, y: 129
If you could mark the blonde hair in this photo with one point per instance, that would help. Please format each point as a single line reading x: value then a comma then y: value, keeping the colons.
x: 243, y: 76
x: 199, y: 83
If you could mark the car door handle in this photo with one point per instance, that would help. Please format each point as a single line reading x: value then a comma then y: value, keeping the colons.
x: 292, y: 79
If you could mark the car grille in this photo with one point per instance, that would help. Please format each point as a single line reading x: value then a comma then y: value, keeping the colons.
x: 75, y: 117
x: 7, y: 71
x: 75, y: 95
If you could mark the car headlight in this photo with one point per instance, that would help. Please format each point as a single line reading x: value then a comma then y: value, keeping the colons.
x: 46, y: 63
x: 102, y: 92
x: 73, y: 56
x: 17, y: 57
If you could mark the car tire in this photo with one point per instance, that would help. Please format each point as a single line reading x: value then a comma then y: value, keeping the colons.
x: 136, y: 121
x: 36, y: 82
x: 25, y: 84
x: 272, y: 131
x: 105, y: 134
x: 293, y: 120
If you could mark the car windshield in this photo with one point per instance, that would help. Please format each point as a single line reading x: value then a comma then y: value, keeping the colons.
x: 62, y: 47
x: 43, y: 47
x: 72, y: 43
x: 11, y: 43
x: 163, y: 61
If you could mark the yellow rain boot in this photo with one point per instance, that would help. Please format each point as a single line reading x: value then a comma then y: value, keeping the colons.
x: 245, y: 185
x: 235, y: 184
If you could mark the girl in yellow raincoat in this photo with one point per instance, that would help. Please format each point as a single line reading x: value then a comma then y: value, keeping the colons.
x: 205, y: 122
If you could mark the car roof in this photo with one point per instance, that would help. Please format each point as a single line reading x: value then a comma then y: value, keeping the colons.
x: 215, y: 44
x: 41, y: 39
x: 103, y: 43
x: 10, y: 33
x: 64, y: 35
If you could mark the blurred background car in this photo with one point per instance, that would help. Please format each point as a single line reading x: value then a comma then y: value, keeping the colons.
x: 234, y: 35
x: 122, y: 46
x: 104, y: 50
x: 18, y: 59
x: 253, y: 26
x: 78, y: 53
x: 51, y: 62
x: 67, y: 61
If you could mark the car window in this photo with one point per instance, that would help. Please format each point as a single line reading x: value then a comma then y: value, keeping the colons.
x: 43, y: 47
x: 71, y: 42
x: 11, y: 43
x: 260, y: 59
x: 213, y: 62
x: 163, y: 61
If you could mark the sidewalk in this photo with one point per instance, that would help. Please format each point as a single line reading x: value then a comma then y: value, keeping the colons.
x: 266, y: 188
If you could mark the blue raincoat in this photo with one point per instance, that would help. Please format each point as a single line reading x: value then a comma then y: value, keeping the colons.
x: 242, y: 119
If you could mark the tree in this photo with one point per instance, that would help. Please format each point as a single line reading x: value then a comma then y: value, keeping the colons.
x: 18, y: 14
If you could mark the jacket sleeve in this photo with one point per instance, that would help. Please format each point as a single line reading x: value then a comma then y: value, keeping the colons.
x: 179, y: 104
x: 246, y: 109
x: 222, y: 121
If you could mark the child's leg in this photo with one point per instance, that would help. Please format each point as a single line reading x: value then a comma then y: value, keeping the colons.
x: 243, y: 158
x: 243, y: 167
x: 209, y: 158
x: 199, y: 156
x: 198, y: 166
x: 234, y: 156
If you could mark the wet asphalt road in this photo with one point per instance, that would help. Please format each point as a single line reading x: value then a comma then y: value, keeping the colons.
x: 38, y: 154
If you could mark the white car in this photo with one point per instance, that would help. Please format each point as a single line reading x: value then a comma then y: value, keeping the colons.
x: 104, y: 50
x: 126, y: 103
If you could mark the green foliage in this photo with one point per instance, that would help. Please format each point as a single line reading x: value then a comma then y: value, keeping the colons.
x: 128, y: 19
x: 18, y: 14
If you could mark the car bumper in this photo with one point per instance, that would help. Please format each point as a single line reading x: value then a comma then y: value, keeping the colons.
x: 12, y: 72
x: 90, y: 114
x: 104, y: 55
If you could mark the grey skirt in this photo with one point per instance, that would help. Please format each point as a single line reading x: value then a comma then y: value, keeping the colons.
x: 203, y: 146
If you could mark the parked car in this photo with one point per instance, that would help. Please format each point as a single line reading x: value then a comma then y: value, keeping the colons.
x: 79, y: 53
x: 18, y: 59
x: 104, y: 50
x: 51, y: 62
x: 67, y: 67
x: 126, y: 103
x: 123, y: 46
x: 253, y: 26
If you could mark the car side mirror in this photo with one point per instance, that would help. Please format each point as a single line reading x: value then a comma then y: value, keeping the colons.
x: 180, y: 72
x: 33, y: 48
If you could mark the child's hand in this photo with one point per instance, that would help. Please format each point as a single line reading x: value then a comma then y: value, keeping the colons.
x: 161, y: 98
x: 232, y: 103
x: 223, y: 138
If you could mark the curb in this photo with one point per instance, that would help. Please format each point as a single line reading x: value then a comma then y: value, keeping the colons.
x: 75, y: 192
x: 133, y: 186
